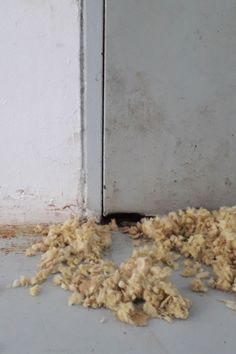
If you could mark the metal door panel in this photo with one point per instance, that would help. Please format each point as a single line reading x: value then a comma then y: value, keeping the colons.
x: 170, y: 105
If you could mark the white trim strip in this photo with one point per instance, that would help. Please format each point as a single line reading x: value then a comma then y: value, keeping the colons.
x: 93, y: 104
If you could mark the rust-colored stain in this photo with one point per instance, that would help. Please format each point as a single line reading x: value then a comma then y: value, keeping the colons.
x: 10, y: 231
x: 14, y: 248
x: 7, y: 233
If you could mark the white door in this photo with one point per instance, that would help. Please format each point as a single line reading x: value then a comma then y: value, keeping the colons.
x: 170, y: 105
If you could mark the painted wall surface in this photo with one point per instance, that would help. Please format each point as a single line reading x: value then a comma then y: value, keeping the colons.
x: 40, y: 147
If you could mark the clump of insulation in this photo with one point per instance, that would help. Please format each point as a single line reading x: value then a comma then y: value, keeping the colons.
x: 140, y: 288
x: 202, y: 236
x: 135, y: 291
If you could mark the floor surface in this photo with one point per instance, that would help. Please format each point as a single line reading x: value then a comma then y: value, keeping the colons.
x: 45, y: 324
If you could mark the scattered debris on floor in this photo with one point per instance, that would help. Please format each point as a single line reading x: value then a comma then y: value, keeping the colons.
x: 140, y: 288
x: 34, y: 290
x: 230, y: 304
x: 198, y: 286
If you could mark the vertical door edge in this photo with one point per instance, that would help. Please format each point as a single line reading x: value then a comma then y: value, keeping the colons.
x: 93, y: 78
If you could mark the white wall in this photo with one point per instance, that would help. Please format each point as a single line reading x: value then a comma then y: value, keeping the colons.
x: 40, y: 141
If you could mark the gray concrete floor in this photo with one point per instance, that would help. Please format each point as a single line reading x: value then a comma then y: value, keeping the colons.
x: 45, y: 324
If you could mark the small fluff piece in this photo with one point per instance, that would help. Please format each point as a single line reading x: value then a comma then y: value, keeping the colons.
x: 75, y: 299
x: 230, y: 304
x: 203, y: 275
x: 21, y: 282
x: 198, y: 286
x: 34, y: 290
x: 191, y: 268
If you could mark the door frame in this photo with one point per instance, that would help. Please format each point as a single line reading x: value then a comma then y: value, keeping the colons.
x: 92, y: 27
